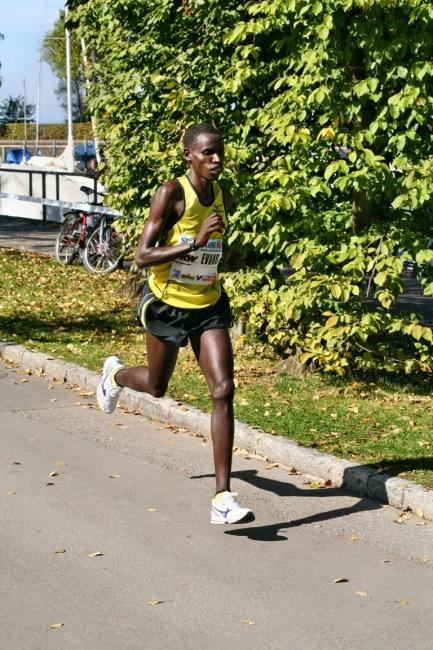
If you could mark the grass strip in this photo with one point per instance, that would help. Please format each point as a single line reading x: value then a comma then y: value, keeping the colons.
x: 83, y: 318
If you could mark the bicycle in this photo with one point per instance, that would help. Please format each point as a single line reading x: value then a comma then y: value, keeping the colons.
x: 105, y: 248
x: 91, y: 237
x: 74, y: 232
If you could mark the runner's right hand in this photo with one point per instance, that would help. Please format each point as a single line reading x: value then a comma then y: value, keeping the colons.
x: 213, y: 223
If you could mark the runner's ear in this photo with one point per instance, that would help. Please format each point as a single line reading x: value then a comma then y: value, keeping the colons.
x: 187, y: 154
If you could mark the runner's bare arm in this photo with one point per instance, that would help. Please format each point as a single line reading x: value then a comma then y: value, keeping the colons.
x: 166, y: 208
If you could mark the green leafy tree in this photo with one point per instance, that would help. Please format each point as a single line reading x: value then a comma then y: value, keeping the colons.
x: 54, y: 53
x: 326, y: 106
x: 12, y: 110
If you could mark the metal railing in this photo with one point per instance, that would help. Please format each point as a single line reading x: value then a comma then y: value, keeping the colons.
x: 44, y: 147
x: 42, y: 199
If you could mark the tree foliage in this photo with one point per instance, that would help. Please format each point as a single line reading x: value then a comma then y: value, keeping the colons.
x: 12, y: 110
x: 326, y: 106
x: 54, y: 53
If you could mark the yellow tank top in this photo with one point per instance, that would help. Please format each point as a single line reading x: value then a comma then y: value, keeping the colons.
x: 191, y: 281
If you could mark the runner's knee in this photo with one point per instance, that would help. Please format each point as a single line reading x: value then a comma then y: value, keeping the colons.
x: 223, y: 391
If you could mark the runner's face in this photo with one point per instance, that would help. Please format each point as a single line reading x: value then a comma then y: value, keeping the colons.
x: 206, y: 156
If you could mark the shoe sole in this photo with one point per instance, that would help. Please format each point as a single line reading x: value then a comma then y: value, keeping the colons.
x: 246, y: 519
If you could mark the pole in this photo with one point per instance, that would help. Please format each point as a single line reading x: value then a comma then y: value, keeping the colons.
x: 25, y: 120
x: 70, y: 145
x: 92, y: 117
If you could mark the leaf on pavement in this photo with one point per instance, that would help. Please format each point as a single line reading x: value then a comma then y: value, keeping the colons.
x: 16, y: 462
x: 272, y: 465
x: 95, y: 554
x: 53, y: 474
x: 55, y: 626
x: 338, y: 580
x: 401, y: 602
x: 152, y: 509
x: 362, y: 594
x: 155, y: 602
x: 404, y: 516
x: 86, y: 393
x: 114, y: 475
x: 22, y: 381
x: 60, y: 550
x: 247, y: 621
x: 354, y: 538
x: 420, y: 512
x: 48, y: 484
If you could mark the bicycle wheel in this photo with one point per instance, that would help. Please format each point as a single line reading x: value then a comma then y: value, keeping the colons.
x: 104, y: 250
x: 67, y: 241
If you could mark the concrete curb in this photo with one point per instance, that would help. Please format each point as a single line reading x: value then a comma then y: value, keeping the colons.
x: 361, y: 480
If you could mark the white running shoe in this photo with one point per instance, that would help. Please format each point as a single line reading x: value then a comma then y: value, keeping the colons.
x: 108, y: 392
x: 226, y: 510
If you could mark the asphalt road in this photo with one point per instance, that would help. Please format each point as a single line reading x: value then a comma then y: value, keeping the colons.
x: 139, y: 493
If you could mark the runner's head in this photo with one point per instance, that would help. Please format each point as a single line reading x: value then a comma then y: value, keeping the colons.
x: 204, y: 150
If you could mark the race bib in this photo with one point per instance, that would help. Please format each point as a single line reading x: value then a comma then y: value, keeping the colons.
x: 200, y: 266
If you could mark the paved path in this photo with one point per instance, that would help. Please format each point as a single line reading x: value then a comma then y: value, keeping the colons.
x: 28, y: 234
x: 269, y: 584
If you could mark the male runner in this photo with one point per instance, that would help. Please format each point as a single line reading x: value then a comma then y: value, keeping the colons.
x: 181, y: 244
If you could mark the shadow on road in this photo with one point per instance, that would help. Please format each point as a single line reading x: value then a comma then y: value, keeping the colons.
x: 272, y: 532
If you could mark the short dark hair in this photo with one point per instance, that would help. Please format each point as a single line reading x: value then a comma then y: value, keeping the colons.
x: 193, y: 132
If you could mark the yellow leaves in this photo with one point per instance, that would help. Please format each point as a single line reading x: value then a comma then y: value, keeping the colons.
x: 114, y: 476
x: 247, y: 621
x: 152, y: 603
x: 362, y: 594
x: 327, y: 132
x: 95, y: 554
x: 332, y: 321
x: 56, y: 626
x: 401, y: 602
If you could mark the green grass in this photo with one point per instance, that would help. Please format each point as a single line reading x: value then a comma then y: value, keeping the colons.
x: 65, y: 312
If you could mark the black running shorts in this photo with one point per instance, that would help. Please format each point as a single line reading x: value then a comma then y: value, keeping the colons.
x: 173, y: 324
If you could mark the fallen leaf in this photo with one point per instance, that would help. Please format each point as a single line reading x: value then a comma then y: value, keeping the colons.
x: 316, y: 486
x: 55, y: 626
x: 401, y: 602
x: 247, y: 621
x: 60, y: 550
x: 420, y: 512
x: 404, y: 516
x: 152, y: 510
x: 22, y: 381
x: 338, y: 580
x: 354, y: 538
x: 53, y: 474
x: 86, y: 393
x: 48, y: 484
x: 114, y: 475
x: 13, y: 492
x: 53, y: 399
x: 155, y: 602
x: 272, y: 465
x: 362, y: 594
x: 95, y: 554
x: 386, y: 561
x: 16, y: 462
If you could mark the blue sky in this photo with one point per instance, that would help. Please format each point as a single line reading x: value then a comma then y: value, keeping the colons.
x: 23, y: 24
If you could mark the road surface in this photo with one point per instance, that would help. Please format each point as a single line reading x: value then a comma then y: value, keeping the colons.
x: 75, y: 483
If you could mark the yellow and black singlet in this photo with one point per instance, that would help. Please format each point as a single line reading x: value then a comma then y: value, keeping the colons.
x: 191, y: 281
